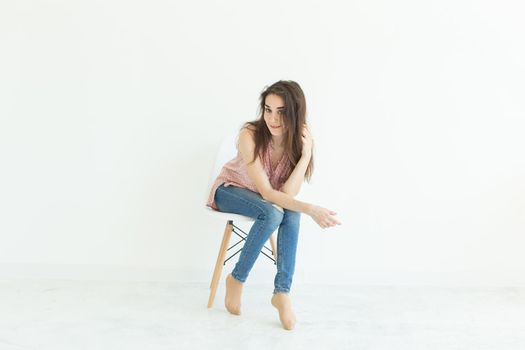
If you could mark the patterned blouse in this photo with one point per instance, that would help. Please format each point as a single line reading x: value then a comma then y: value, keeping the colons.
x: 234, y: 173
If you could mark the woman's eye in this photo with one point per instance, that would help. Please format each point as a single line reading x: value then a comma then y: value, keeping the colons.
x: 280, y: 112
x: 268, y: 110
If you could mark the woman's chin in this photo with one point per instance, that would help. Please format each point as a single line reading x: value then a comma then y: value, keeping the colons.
x: 276, y: 132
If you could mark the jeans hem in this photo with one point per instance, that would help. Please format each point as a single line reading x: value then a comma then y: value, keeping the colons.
x: 234, y: 275
x: 280, y: 290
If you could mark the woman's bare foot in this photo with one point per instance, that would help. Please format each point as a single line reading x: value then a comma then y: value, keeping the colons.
x: 283, y: 303
x: 233, y: 295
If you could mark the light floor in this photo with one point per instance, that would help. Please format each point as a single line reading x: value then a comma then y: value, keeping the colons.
x: 59, y: 314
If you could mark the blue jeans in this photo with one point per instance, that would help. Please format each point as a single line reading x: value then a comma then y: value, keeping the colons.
x: 268, y: 218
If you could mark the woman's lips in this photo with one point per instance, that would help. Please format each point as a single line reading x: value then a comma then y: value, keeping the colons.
x: 275, y: 127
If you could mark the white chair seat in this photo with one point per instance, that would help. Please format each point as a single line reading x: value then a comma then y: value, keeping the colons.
x: 228, y: 216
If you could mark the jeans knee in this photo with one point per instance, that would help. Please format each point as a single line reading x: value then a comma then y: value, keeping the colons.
x: 272, y: 216
x: 292, y: 217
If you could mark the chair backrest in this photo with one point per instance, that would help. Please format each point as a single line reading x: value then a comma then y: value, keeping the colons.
x: 227, y: 151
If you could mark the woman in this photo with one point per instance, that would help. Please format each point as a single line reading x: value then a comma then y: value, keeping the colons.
x: 273, y: 160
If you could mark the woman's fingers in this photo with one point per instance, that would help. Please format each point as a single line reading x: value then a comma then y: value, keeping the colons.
x: 330, y: 224
x: 331, y: 221
x: 306, y: 130
x: 324, y: 217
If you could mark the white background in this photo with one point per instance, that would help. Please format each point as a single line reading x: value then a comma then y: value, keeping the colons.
x: 111, y: 112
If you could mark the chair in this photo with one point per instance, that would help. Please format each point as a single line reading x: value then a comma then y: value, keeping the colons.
x: 226, y: 152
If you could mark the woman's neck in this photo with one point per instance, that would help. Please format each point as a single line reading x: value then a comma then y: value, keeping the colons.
x: 277, y: 141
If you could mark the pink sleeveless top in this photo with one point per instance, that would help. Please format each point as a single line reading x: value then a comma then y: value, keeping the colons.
x: 234, y: 173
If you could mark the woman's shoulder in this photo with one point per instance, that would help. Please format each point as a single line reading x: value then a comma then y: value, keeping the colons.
x: 247, y: 132
x: 246, y: 140
x: 249, y: 127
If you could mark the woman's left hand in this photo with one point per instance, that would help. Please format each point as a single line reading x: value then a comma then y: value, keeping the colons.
x: 308, y: 141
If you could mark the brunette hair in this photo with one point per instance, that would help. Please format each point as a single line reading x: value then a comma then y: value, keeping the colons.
x: 294, y: 119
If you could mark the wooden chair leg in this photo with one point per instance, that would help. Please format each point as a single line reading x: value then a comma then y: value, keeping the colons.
x: 274, y: 247
x: 220, y: 262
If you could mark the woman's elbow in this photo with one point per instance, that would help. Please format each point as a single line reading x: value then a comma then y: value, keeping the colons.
x: 289, y: 192
x: 267, y: 194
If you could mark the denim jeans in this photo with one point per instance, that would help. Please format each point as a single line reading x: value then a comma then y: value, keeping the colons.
x: 268, y: 218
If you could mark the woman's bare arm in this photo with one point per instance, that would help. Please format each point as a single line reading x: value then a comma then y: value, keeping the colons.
x: 292, y: 186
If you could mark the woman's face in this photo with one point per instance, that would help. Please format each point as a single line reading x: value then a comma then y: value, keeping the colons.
x: 274, y: 114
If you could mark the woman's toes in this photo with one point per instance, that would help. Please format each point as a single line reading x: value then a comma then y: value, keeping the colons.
x: 288, y: 324
x: 283, y: 304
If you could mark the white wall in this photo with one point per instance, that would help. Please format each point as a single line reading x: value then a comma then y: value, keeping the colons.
x: 111, y: 112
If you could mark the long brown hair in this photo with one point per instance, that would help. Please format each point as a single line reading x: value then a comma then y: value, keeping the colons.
x: 294, y: 119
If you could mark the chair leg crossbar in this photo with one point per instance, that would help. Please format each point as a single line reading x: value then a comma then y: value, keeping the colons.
x: 243, y: 238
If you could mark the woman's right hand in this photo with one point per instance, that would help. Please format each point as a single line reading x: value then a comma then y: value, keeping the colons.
x: 323, y: 217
